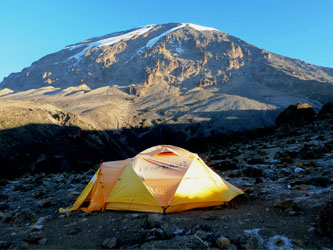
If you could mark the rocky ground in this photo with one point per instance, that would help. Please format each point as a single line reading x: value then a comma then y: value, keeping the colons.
x: 286, y: 175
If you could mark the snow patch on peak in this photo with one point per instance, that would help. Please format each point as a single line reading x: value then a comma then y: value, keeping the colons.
x: 200, y: 28
x: 107, y: 41
x: 153, y: 41
x: 112, y: 40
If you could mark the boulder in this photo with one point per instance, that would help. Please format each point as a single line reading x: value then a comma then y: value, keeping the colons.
x: 296, y: 114
x: 327, y: 109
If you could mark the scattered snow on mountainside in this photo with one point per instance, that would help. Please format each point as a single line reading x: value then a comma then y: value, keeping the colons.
x: 108, y: 41
x: 153, y: 41
x: 140, y: 31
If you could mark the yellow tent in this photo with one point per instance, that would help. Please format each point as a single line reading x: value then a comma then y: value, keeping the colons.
x: 160, y: 179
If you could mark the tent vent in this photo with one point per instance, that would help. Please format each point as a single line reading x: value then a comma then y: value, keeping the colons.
x: 165, y: 153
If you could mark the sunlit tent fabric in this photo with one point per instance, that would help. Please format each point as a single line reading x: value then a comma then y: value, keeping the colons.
x: 160, y: 179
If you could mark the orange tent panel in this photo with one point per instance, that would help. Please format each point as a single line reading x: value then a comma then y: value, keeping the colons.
x: 160, y: 179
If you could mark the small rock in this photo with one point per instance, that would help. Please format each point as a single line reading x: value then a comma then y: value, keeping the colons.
x: 42, y: 219
x: 45, y: 203
x: 298, y: 242
x: 156, y: 234
x: 283, y: 205
x: 178, y: 231
x: 110, y: 243
x: 74, y: 230
x: 222, y: 242
x: 36, y: 227
x: 302, y: 187
x: 289, y: 211
x: 208, y: 216
x: 38, y: 194
x: 201, y: 234
x: 6, y: 217
x: 135, y: 216
x: 298, y: 170
x: 33, y: 238
x: 168, y: 229
x: 155, y: 220
x: 43, y: 241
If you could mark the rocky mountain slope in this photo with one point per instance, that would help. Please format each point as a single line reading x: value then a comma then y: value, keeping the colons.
x: 286, y: 174
x: 173, y: 74
x: 182, y: 55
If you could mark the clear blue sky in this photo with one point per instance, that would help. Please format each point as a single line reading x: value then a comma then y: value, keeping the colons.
x: 30, y: 29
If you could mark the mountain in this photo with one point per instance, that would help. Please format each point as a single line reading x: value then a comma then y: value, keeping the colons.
x: 192, y: 78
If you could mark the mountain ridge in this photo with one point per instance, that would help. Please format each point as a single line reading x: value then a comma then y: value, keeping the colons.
x: 169, y: 74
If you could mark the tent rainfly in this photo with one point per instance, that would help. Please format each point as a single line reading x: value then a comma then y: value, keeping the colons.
x: 161, y: 179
